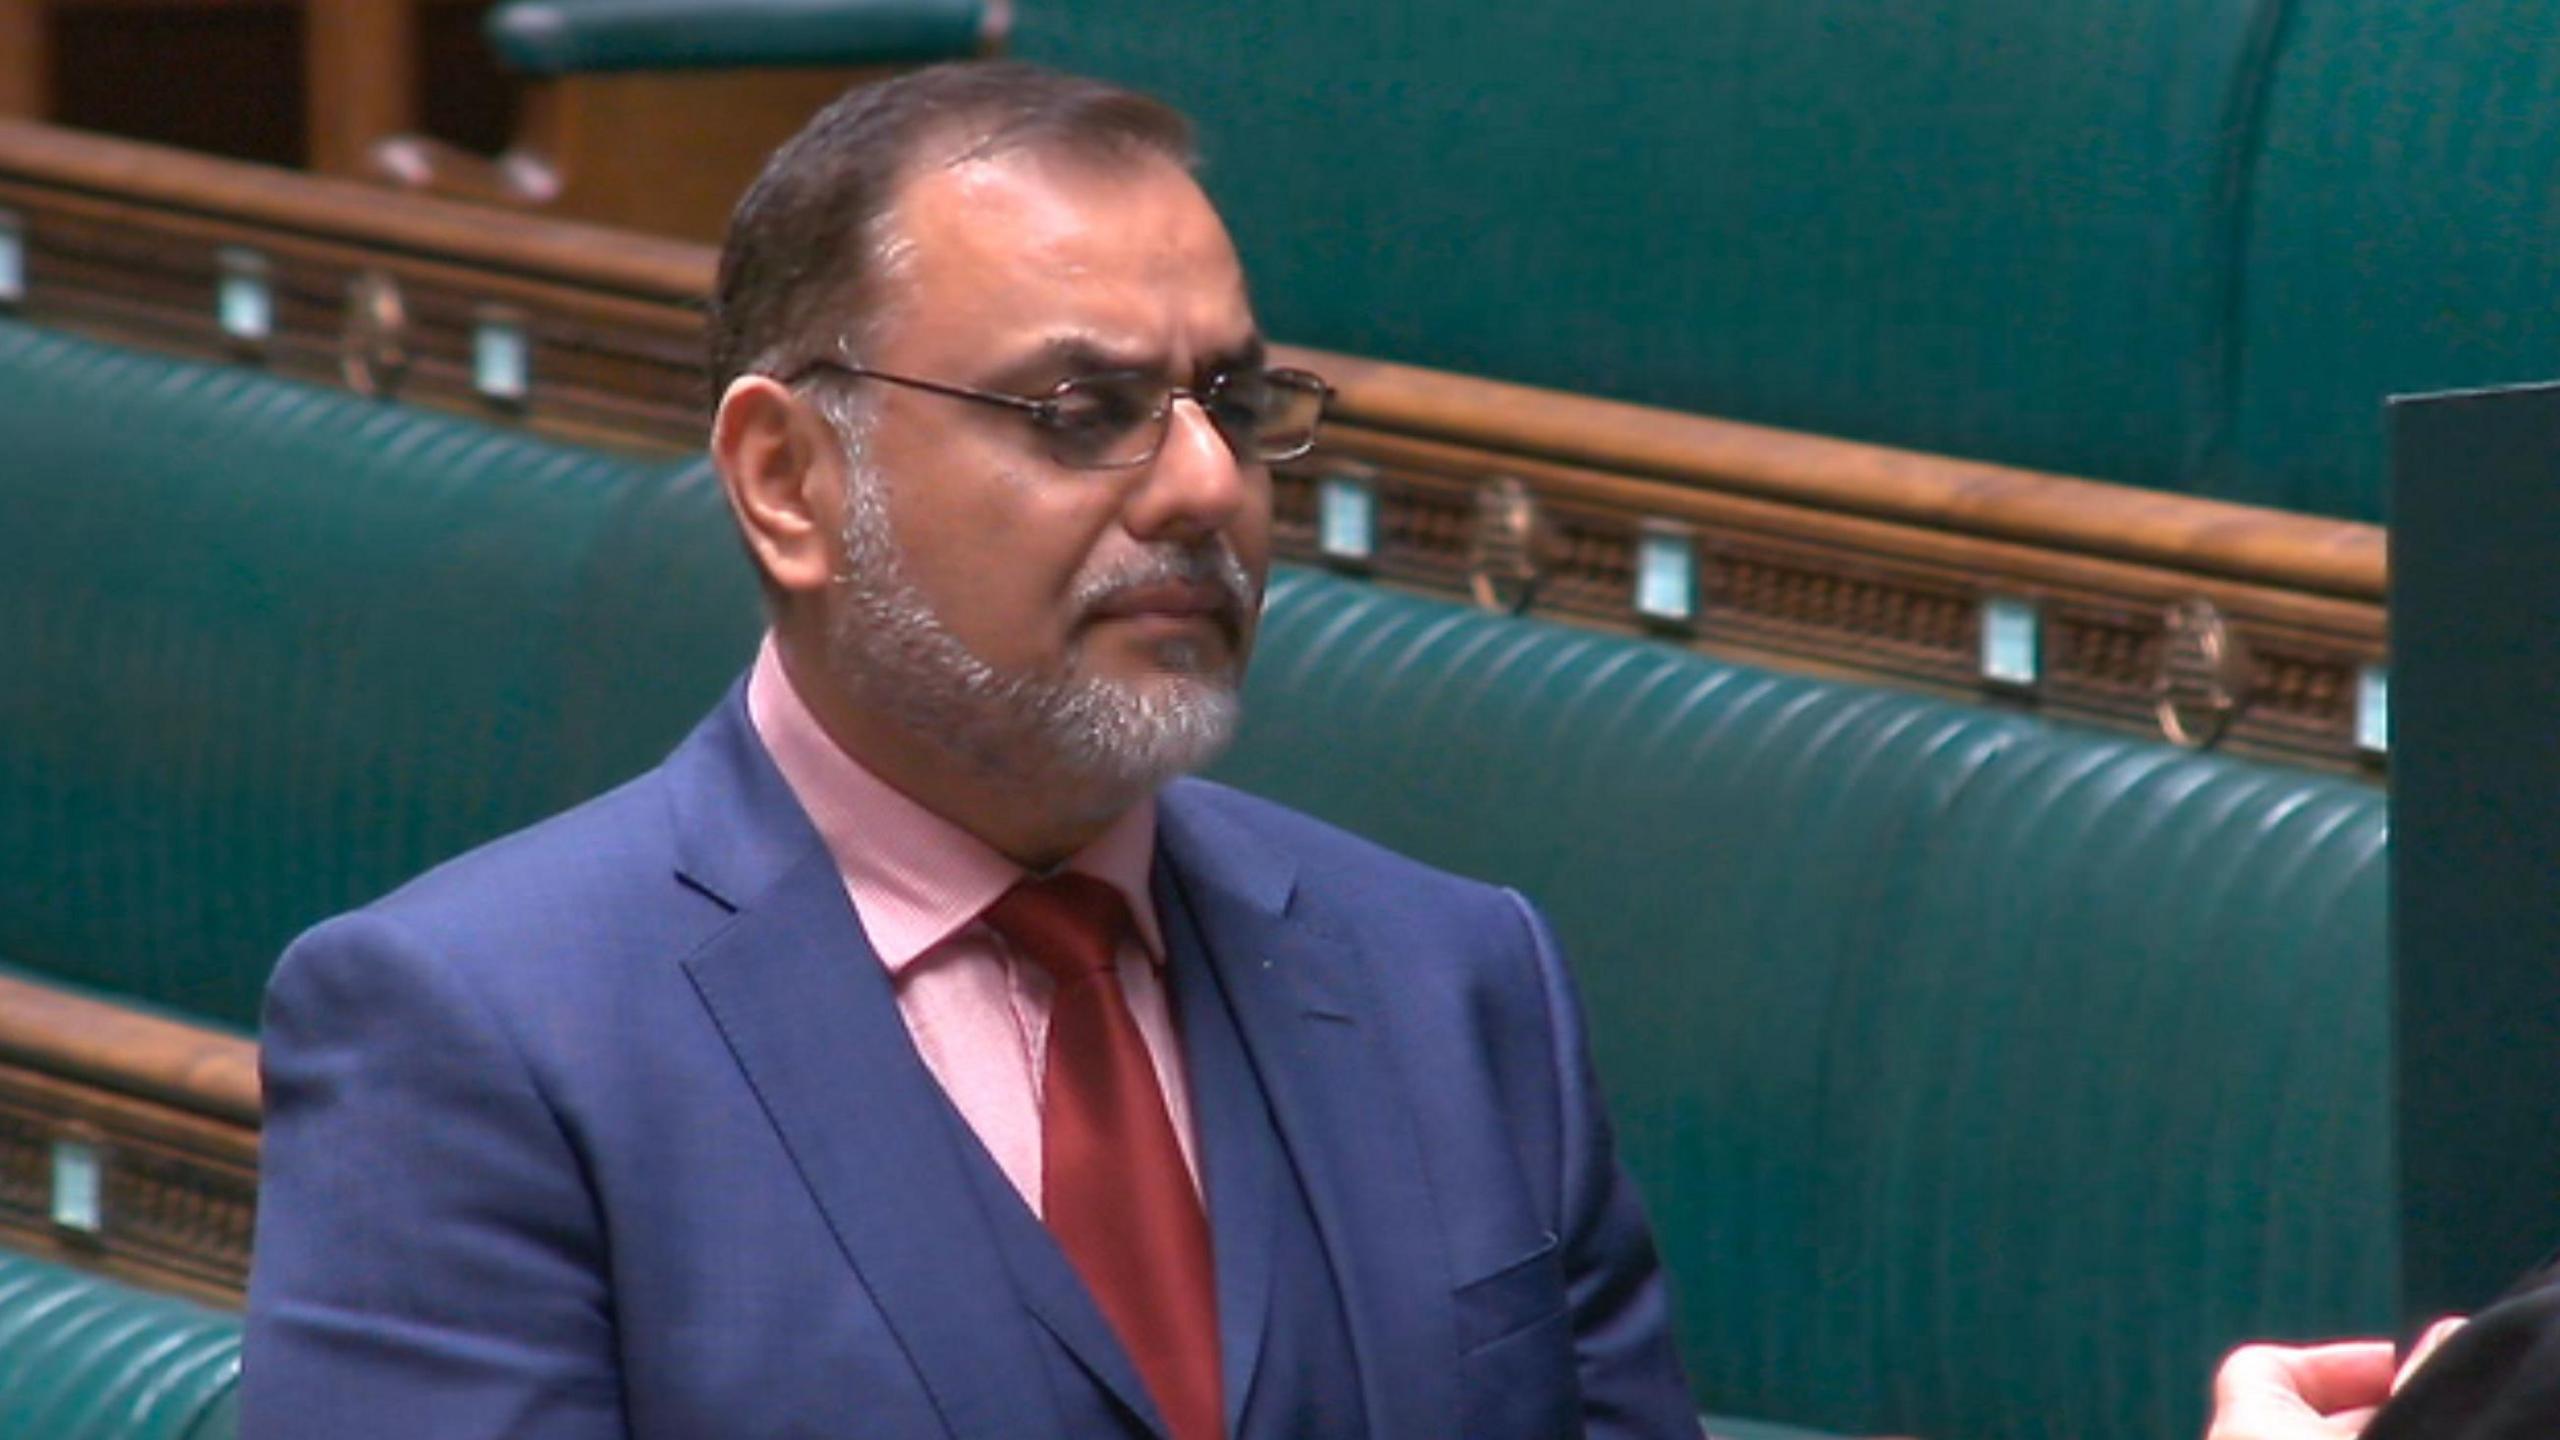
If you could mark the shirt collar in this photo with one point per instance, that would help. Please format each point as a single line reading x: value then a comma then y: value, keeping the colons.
x: 915, y: 878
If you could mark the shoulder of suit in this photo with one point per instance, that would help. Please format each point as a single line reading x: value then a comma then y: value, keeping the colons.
x: 595, y: 871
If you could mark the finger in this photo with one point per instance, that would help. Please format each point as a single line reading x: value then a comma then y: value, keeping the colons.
x: 2346, y: 1376
x: 2319, y: 1378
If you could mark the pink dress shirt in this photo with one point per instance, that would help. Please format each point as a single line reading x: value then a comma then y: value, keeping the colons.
x: 978, y: 1013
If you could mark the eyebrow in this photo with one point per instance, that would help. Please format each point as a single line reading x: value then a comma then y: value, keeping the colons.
x: 1084, y: 353
x: 1249, y: 355
x: 1073, y: 354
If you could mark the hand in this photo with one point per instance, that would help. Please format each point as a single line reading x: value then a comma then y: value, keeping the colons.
x: 2436, y: 1335
x: 2315, y: 1392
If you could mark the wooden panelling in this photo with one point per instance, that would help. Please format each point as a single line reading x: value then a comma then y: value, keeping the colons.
x: 1809, y: 551
x: 223, y: 74
x: 361, y: 76
x: 168, y: 1114
x: 26, y: 60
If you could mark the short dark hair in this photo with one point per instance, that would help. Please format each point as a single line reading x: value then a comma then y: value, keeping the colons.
x: 803, y: 243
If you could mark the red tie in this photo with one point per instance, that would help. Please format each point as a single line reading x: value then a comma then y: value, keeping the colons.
x: 1113, y: 1187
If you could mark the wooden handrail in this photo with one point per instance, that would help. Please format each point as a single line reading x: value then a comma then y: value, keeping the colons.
x: 193, y: 1067
x: 320, y: 206
x: 2085, y: 517
x: 1849, y: 557
x: 2208, y: 537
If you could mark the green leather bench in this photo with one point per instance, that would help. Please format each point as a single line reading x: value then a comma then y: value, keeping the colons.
x: 2188, y: 244
x: 87, y: 1359
x: 562, y: 37
x: 2030, y: 1068
x: 1987, y: 1078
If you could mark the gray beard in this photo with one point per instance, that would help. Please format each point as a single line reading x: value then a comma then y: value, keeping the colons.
x: 1096, y: 745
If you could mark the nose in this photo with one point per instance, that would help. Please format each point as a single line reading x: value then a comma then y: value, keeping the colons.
x: 1196, y: 486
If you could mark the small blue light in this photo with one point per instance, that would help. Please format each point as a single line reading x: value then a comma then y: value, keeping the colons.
x: 1666, y: 575
x: 13, y: 259
x: 78, y: 1187
x: 244, y: 300
x: 501, y: 360
x: 2011, y: 643
x: 2373, y: 710
x: 1347, y: 517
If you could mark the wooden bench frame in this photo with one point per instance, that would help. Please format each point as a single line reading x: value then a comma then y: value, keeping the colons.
x: 162, y: 1113
x: 1816, y: 553
x: 359, y: 66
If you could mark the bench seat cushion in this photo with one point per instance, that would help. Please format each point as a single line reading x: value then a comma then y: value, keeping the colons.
x: 559, y: 37
x: 83, y: 1358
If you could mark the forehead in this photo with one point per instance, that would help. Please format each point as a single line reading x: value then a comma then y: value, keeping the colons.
x: 1010, y: 252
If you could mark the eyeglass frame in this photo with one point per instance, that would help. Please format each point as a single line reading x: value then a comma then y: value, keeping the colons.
x: 1044, y: 408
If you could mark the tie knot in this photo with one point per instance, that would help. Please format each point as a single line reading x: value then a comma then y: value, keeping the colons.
x: 1069, y: 923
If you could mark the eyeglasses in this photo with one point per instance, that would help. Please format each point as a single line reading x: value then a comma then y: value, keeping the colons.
x: 1118, y: 420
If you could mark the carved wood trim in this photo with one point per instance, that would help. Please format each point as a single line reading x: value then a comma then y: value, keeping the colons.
x: 1815, y: 552
x: 169, y: 1109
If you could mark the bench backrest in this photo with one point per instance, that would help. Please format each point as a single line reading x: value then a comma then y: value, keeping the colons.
x: 1986, y: 1077
x: 270, y: 649
x: 83, y: 1358
x: 2188, y: 244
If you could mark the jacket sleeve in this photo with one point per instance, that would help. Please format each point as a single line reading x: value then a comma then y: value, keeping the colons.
x: 1627, y: 1361
x: 429, y: 1259
x: 2498, y: 1378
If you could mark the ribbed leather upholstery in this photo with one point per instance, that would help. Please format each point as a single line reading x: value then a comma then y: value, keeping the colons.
x: 87, y: 1359
x: 555, y: 37
x: 1994, y: 228
x: 271, y: 648
x: 2400, y: 234
x: 2120, y: 1085
x: 2031, y: 1068
x: 2188, y: 244
x: 1986, y: 1078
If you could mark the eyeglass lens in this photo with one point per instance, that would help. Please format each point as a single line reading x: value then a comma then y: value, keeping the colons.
x: 1112, y: 421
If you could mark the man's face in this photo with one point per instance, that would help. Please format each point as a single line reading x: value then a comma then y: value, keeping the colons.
x: 1043, y: 621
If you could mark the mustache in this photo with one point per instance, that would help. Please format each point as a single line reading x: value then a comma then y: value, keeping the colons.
x: 1213, y: 564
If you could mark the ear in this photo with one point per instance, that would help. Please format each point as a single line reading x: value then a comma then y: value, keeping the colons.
x: 783, y: 471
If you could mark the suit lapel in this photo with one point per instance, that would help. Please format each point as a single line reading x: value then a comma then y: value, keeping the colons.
x: 806, y: 1010
x: 1055, y: 1294
x: 1235, y: 1142
x: 808, y: 1013
x: 1304, y: 1008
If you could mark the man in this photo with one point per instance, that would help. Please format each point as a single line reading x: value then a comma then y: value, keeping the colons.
x: 906, y: 1056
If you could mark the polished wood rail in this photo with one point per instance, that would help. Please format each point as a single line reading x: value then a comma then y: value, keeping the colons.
x: 128, y: 1141
x: 2220, y: 623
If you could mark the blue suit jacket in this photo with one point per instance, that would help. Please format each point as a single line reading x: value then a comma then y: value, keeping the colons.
x: 612, y: 1127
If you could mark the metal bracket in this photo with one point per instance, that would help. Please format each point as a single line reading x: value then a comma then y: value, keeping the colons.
x: 1505, y: 559
x: 2206, y: 677
x: 373, y: 351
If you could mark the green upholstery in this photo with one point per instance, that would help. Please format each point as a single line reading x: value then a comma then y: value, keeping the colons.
x: 184, y: 784
x: 2186, y: 244
x: 87, y: 1359
x: 1986, y: 1078
x: 1984, y: 227
x: 557, y: 37
x: 2032, y: 1068
x: 2400, y: 234
x: 1723, y: 1428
